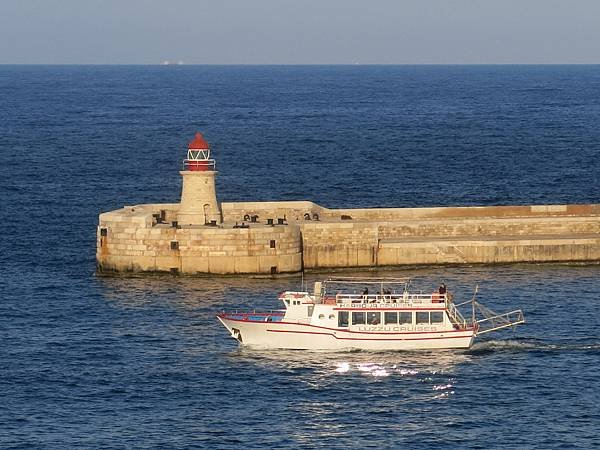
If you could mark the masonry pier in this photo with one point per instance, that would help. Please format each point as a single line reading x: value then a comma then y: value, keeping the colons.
x: 201, y: 236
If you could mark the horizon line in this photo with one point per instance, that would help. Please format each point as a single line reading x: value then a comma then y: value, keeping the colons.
x: 302, y: 64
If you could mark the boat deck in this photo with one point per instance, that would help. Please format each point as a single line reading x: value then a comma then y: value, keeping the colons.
x: 267, y: 316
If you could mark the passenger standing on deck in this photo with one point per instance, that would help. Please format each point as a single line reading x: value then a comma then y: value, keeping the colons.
x: 365, y: 293
x: 442, y: 290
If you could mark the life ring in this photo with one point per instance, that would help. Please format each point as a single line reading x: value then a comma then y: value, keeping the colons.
x: 247, y: 217
x: 315, y: 216
x: 306, y: 216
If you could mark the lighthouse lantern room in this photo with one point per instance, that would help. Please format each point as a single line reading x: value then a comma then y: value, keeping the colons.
x: 198, y: 155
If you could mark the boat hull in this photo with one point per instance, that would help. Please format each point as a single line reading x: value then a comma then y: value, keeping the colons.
x: 285, y: 335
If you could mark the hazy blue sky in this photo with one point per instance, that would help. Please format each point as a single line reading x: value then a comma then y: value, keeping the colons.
x: 299, y: 32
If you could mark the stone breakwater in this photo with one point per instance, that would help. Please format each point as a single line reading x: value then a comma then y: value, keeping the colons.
x: 287, y: 237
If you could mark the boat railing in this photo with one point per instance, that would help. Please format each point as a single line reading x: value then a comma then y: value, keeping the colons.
x: 500, y: 321
x: 405, y: 298
x: 489, y: 321
x: 455, y: 315
x: 245, y: 314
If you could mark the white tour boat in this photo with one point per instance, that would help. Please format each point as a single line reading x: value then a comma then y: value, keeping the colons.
x: 337, y: 317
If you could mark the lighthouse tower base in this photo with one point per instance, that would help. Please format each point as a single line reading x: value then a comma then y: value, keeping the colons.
x: 198, y: 199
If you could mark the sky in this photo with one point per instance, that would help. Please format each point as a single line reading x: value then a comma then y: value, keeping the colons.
x: 300, y: 32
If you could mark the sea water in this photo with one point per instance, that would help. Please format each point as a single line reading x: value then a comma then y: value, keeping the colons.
x: 142, y: 362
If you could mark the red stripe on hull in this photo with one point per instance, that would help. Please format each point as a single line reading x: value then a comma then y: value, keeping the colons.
x: 344, y: 331
x: 372, y: 339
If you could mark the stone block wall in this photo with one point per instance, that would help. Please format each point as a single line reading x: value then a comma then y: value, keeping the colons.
x: 500, y: 251
x: 129, y: 240
x: 339, y: 244
x: 294, y: 210
x: 133, y: 240
x: 466, y: 212
x: 478, y: 227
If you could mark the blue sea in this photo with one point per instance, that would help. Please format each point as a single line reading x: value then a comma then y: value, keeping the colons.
x: 141, y: 362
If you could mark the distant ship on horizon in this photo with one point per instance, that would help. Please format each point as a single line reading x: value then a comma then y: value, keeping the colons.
x: 166, y: 62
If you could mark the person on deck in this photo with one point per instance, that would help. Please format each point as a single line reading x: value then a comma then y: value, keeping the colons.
x: 442, y: 290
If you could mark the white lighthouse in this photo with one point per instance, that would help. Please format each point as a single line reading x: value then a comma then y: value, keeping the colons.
x: 198, y: 196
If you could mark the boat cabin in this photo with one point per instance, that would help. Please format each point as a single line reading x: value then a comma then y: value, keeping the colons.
x: 391, y: 309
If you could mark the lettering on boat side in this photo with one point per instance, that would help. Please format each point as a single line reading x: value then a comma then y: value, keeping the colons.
x: 383, y: 306
x: 396, y: 328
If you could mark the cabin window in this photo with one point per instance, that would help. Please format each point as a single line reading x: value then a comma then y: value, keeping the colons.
x: 437, y: 317
x: 406, y: 318
x: 373, y: 318
x: 309, y: 310
x: 358, y: 318
x: 321, y: 316
x: 422, y: 318
x: 287, y: 302
x: 343, y: 318
x: 331, y: 316
x: 390, y: 317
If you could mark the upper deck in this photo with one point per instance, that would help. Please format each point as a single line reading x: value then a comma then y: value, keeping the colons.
x: 386, y: 301
x: 389, y: 293
x: 353, y: 294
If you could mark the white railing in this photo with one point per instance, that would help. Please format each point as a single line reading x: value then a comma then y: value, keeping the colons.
x: 274, y: 312
x: 500, y: 321
x: 199, y: 164
x: 455, y: 315
x: 406, y: 298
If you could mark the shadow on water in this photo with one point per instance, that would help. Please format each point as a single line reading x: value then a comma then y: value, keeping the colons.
x: 200, y: 293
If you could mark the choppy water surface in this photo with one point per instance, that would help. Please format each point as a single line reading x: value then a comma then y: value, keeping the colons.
x: 91, y: 362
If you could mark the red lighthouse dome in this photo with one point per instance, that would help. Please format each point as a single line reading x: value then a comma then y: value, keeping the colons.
x: 198, y: 143
x: 198, y: 155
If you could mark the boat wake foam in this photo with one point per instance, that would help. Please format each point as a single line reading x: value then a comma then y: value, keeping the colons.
x: 532, y: 345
